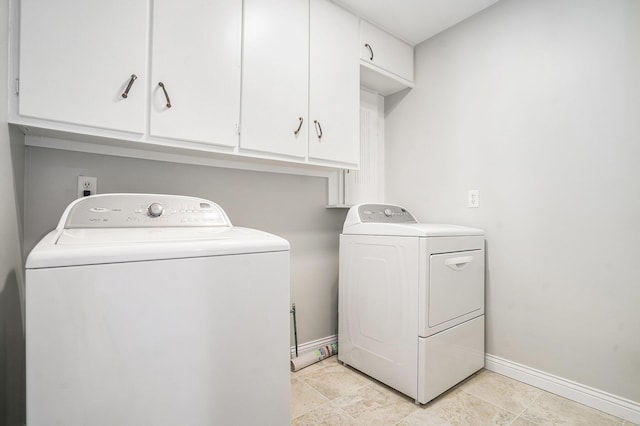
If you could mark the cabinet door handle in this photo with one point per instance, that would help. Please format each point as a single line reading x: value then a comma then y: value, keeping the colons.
x: 318, y: 128
x: 166, y: 95
x: 367, y: 45
x: 299, y: 126
x: 131, y: 80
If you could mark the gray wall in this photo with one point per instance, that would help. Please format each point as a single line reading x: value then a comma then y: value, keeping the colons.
x: 290, y: 206
x: 536, y: 104
x: 12, y: 387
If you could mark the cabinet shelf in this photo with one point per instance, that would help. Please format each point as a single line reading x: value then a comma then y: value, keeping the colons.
x: 381, y: 81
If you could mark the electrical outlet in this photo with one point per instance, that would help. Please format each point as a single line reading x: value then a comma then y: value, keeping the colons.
x: 87, y: 185
x: 473, y: 198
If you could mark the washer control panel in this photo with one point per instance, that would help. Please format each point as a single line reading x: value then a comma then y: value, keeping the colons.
x: 384, y: 213
x: 142, y: 210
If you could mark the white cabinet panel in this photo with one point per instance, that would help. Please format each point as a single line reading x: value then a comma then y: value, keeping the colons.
x: 366, y: 185
x: 196, y: 55
x: 385, y: 51
x: 275, y: 77
x: 333, y: 84
x: 74, y: 67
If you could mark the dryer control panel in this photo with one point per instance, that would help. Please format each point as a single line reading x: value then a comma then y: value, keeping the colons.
x: 142, y: 210
x: 384, y: 213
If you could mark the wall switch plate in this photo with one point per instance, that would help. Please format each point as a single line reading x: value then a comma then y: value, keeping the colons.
x: 473, y: 198
x: 87, y: 185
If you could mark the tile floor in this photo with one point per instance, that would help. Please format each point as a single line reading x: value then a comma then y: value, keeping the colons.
x: 328, y: 393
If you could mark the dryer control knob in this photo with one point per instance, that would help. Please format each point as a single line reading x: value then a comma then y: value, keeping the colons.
x: 388, y: 212
x: 155, y: 210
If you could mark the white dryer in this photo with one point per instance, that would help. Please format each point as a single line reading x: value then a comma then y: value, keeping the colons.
x: 150, y: 310
x: 411, y: 300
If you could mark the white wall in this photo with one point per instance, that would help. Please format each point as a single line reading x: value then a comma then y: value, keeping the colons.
x: 537, y: 105
x: 12, y: 384
x: 290, y: 206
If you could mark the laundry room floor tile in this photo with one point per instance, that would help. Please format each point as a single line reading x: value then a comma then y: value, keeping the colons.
x: 334, y: 380
x: 460, y: 408
x: 423, y: 417
x: 325, y: 415
x: 501, y: 391
x: 375, y: 405
x: 328, y: 393
x: 304, y: 398
x: 550, y: 409
x: 522, y: 422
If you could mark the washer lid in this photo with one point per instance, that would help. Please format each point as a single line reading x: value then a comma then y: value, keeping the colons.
x: 388, y: 219
x: 75, y: 247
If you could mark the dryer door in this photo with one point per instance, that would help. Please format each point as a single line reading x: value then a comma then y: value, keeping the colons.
x: 456, y: 285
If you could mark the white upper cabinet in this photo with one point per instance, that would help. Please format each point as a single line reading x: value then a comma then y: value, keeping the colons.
x: 387, y: 62
x: 74, y: 67
x: 275, y: 77
x: 195, y: 55
x: 333, y: 84
x: 269, y: 79
x: 300, y: 90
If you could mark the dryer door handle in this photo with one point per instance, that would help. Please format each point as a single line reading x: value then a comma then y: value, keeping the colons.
x: 458, y: 263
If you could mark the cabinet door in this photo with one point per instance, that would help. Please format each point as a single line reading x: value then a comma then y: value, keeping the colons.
x: 196, y: 56
x: 385, y: 51
x: 78, y: 57
x: 334, y: 84
x: 275, y: 77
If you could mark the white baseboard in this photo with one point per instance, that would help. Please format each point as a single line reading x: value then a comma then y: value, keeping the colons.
x: 594, y: 398
x: 314, y: 344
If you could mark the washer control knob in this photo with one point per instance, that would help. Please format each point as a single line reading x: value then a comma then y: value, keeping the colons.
x: 155, y: 210
x: 388, y: 212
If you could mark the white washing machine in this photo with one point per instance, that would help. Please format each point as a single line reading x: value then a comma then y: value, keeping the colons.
x: 151, y: 310
x: 411, y: 300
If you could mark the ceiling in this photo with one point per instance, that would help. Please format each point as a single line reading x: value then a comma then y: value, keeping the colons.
x: 415, y: 20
